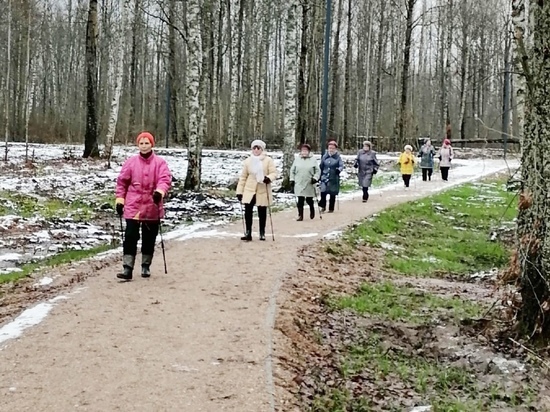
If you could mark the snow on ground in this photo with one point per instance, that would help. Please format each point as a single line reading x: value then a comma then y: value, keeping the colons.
x: 58, y: 172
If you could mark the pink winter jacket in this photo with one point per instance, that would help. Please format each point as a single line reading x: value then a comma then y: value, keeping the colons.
x: 138, y: 179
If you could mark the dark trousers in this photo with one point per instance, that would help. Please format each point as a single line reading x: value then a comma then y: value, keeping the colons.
x: 331, y: 201
x: 406, y: 179
x: 248, y: 212
x: 444, y: 172
x: 309, y: 201
x: 365, y: 194
x: 427, y: 173
x: 149, y: 232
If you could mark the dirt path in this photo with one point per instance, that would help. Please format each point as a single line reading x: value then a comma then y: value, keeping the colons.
x: 197, y: 339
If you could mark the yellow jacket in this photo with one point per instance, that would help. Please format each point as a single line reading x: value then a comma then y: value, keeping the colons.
x: 406, y: 160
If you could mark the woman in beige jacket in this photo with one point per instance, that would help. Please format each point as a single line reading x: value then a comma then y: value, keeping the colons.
x: 254, y: 187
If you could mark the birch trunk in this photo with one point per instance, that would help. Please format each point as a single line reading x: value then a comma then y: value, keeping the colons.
x: 194, y: 110
x: 290, y: 91
x: 520, y: 57
x: 118, y: 76
x: 464, y: 68
x: 401, y: 120
x: 30, y: 81
x: 7, y: 87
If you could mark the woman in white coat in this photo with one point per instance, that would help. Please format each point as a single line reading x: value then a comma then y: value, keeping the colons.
x: 254, y: 187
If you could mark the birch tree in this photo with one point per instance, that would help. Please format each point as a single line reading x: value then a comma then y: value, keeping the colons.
x: 290, y: 91
x: 118, y: 77
x: 7, y: 87
x: 194, y: 109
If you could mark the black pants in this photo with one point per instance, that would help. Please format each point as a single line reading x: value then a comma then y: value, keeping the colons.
x: 365, y: 194
x: 248, y: 211
x: 444, y: 172
x: 406, y: 179
x: 309, y: 201
x: 427, y: 173
x: 149, y: 232
x: 331, y: 201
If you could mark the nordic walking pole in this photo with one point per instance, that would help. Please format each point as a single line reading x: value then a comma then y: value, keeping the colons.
x: 242, y: 216
x: 162, y: 242
x: 317, y: 201
x: 121, y: 228
x: 269, y: 207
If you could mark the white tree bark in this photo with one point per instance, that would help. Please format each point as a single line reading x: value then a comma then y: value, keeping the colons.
x: 30, y: 82
x: 520, y: 49
x: 118, y: 78
x: 233, y: 76
x: 291, y: 67
x: 7, y: 87
x: 193, y: 87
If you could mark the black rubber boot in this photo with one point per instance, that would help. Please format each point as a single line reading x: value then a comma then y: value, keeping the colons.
x: 262, y: 234
x: 300, y: 213
x: 146, y: 265
x: 128, y: 265
x: 247, y: 236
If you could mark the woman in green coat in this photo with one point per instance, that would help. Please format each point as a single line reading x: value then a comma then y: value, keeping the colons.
x: 304, y: 174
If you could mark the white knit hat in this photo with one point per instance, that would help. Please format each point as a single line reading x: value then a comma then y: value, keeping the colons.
x: 408, y: 147
x: 258, y: 142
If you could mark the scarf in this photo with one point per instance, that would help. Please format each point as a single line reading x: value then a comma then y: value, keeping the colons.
x: 257, y: 168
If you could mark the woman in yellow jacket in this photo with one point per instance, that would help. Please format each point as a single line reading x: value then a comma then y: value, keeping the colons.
x: 407, y: 161
x: 254, y: 187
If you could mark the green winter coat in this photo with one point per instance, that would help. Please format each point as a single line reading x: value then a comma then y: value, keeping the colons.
x: 301, y: 172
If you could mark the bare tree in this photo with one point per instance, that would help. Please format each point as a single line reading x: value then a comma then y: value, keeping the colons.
x: 290, y: 91
x: 91, y: 148
x: 7, y: 86
x: 194, y: 84
x: 533, y: 233
x: 118, y: 77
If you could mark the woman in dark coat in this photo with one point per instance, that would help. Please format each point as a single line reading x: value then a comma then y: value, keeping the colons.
x: 331, y: 166
x: 367, y: 165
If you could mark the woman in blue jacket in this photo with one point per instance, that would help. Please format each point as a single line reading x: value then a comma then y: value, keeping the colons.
x: 331, y: 166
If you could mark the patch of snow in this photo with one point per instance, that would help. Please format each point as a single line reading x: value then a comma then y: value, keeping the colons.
x: 430, y: 259
x: 506, y: 365
x: 301, y: 235
x: 10, y: 270
x: 421, y: 409
x: 333, y: 235
x: 389, y: 246
x: 30, y: 317
x: 10, y: 257
x: 491, y: 274
x: 44, y: 281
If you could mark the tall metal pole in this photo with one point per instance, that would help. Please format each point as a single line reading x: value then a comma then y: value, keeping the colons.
x: 324, y: 122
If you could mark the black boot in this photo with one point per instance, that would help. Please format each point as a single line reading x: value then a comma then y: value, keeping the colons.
x: 128, y: 265
x: 262, y: 218
x: 247, y: 236
x: 146, y: 265
x: 311, y: 212
x: 300, y: 213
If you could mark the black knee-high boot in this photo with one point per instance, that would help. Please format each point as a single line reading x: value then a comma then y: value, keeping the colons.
x: 248, y: 211
x: 262, y: 217
x: 309, y: 201
x: 300, y: 206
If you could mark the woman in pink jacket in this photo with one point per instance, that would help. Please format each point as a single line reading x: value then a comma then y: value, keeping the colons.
x: 141, y: 187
